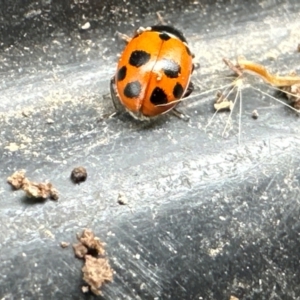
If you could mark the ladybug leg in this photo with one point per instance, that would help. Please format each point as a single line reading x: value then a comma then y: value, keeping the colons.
x: 196, y: 66
x: 114, y: 96
x: 142, y: 29
x: 189, y: 90
x: 124, y: 37
x: 127, y: 38
x: 180, y: 115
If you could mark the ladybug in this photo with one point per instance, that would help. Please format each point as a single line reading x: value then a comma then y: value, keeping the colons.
x: 153, y: 73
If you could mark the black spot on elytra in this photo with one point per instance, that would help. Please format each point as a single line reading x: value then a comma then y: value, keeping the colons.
x: 158, y: 96
x: 164, y: 36
x: 178, y: 91
x: 139, y: 58
x: 121, y: 73
x: 171, y: 68
x: 132, y: 89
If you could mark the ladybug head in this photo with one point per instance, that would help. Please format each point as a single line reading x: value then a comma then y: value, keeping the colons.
x: 169, y: 29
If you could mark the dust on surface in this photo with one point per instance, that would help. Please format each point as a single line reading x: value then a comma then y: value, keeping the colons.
x: 43, y: 190
x: 96, y: 269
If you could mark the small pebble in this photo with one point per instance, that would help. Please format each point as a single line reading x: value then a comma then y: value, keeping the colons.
x: 122, y: 199
x: 49, y: 121
x: 86, y: 26
x: 64, y: 244
x: 79, y: 174
x: 255, y: 114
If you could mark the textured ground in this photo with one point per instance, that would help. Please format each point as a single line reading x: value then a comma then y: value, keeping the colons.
x: 206, y: 218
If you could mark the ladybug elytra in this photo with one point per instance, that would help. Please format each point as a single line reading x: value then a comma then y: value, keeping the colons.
x: 153, y: 72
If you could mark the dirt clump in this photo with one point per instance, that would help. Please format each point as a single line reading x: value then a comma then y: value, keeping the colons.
x: 43, y: 190
x: 96, y: 269
x: 78, y: 175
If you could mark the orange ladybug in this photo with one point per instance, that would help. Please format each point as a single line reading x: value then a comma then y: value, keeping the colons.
x: 153, y: 73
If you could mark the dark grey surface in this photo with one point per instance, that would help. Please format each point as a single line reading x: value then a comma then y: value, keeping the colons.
x: 207, y: 218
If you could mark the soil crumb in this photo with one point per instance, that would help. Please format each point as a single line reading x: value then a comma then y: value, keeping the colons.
x: 293, y: 94
x: 64, y: 244
x: 96, y: 269
x: 255, y: 114
x: 43, y: 190
x: 122, y: 199
x: 91, y: 242
x: 96, y: 272
x: 80, y: 250
x: 78, y: 175
x: 85, y: 289
x: 222, y: 103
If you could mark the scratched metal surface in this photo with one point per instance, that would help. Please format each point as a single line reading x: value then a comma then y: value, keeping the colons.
x: 207, y: 218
